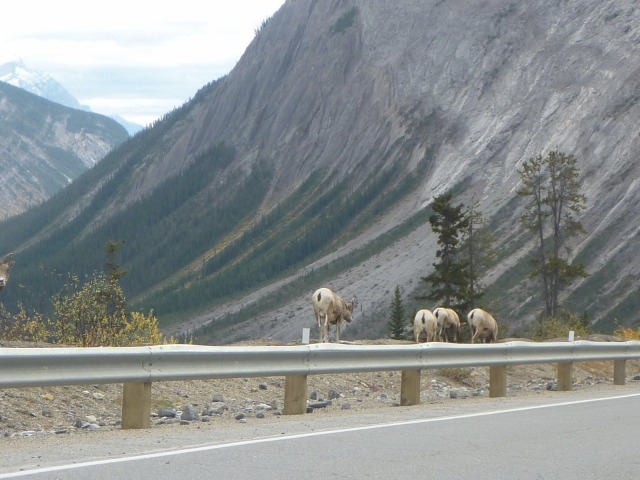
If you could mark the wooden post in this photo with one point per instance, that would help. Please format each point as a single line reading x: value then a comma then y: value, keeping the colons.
x: 136, y: 405
x: 619, y: 372
x: 565, y: 377
x: 410, y: 387
x: 498, y: 381
x: 295, y: 395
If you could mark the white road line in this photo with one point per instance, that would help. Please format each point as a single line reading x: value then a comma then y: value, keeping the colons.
x: 170, y: 453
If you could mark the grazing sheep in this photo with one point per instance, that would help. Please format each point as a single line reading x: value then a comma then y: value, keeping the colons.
x: 483, y: 326
x: 447, y: 320
x: 425, y: 326
x: 331, y: 309
x: 5, y: 266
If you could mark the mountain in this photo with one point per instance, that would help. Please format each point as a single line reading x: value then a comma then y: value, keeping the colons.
x: 39, y: 83
x: 314, y: 163
x: 44, y: 146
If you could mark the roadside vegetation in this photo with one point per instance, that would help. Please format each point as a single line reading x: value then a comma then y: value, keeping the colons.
x: 87, y: 313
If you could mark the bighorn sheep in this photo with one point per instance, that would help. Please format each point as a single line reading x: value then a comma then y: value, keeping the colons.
x: 331, y: 309
x: 447, y: 320
x: 5, y: 266
x: 425, y: 326
x: 483, y: 326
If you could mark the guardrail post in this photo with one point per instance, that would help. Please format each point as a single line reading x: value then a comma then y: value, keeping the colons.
x: 498, y: 381
x: 410, y: 387
x: 295, y: 395
x: 565, y: 377
x: 619, y: 372
x: 136, y: 405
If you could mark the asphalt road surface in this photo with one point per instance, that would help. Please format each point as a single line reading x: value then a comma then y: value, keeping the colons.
x: 583, y: 435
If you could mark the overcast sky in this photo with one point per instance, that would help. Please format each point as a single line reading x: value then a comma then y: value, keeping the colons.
x: 135, y: 58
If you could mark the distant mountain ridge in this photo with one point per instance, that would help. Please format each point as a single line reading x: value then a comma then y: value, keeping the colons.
x: 314, y: 163
x: 39, y: 83
x: 44, y: 146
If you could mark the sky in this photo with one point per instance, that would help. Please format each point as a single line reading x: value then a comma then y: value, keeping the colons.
x: 138, y: 58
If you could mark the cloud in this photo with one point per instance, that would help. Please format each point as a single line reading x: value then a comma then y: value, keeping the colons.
x: 154, y: 55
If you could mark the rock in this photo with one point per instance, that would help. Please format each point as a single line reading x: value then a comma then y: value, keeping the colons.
x: 217, y: 399
x: 217, y: 408
x: 333, y: 394
x: 169, y: 412
x: 322, y: 404
x: 263, y: 386
x: 189, y: 413
x: 240, y: 416
x: 458, y: 393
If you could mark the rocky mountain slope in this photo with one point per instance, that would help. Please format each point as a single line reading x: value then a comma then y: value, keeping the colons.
x: 44, y: 146
x: 420, y: 97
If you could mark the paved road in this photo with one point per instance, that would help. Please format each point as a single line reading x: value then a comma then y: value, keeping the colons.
x: 588, y: 435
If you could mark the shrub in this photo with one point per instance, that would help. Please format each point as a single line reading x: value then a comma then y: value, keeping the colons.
x: 628, y: 333
x: 94, y: 314
x: 556, y: 327
x: 22, y: 326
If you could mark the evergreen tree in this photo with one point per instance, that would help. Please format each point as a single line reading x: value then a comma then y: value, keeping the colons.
x: 397, y: 323
x: 449, y: 283
x: 478, y: 250
x: 552, y: 192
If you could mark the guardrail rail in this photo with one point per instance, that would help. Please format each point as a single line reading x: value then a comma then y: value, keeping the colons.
x: 138, y: 367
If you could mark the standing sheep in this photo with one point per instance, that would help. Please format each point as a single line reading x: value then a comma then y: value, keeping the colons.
x: 447, y: 320
x: 425, y: 326
x: 483, y: 326
x: 331, y: 309
x: 5, y: 265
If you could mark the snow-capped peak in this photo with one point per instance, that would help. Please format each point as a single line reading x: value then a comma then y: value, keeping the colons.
x: 39, y: 83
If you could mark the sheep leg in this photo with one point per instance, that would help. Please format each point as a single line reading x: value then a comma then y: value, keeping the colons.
x: 319, y: 320
x: 337, y: 332
x: 326, y: 329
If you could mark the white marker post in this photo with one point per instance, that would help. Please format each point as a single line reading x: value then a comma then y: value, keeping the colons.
x: 571, y: 335
x: 305, y: 336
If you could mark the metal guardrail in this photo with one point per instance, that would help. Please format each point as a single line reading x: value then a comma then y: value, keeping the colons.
x: 140, y: 366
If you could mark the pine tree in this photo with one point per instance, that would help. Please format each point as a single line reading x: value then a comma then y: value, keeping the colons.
x: 397, y: 322
x: 551, y: 189
x: 451, y: 279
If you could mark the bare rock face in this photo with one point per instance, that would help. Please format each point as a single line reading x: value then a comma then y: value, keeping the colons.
x: 335, y: 86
